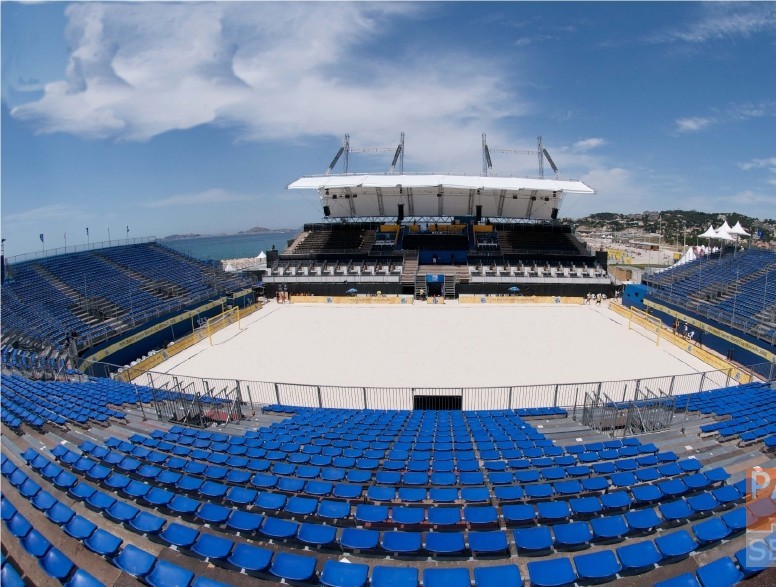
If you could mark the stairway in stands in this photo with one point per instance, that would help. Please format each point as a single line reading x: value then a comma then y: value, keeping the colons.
x: 409, y: 268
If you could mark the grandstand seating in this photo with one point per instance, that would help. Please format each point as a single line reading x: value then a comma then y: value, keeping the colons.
x: 730, y: 289
x: 98, y: 294
x: 312, y: 484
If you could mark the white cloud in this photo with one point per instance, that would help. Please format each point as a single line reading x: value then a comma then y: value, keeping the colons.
x: 273, y: 71
x: 768, y: 163
x: 211, y: 196
x: 43, y: 213
x: 724, y: 20
x: 587, y: 144
x: 693, y: 124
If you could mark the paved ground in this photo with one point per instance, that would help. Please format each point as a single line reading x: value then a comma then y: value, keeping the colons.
x: 432, y: 346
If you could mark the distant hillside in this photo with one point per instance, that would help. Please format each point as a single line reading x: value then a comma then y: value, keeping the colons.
x: 672, y: 223
x: 259, y: 229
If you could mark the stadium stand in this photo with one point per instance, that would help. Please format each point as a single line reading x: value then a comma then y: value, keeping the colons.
x: 730, y: 289
x: 99, y: 295
x: 454, y: 496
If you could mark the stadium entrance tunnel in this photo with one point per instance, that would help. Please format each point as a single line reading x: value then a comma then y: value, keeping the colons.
x: 437, y: 402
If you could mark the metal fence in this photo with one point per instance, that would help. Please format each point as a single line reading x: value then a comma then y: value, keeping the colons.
x: 116, y: 242
x: 564, y: 395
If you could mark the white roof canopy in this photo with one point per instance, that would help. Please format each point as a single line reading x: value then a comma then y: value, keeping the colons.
x: 440, y: 195
x: 738, y: 229
x: 710, y: 233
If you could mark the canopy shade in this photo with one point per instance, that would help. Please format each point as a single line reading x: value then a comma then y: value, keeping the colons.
x: 738, y: 229
x: 710, y: 233
x: 722, y: 235
x: 344, y: 196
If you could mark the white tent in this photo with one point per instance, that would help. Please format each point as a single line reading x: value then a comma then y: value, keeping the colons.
x: 710, y: 233
x: 724, y: 228
x: 261, y: 259
x: 723, y: 234
x: 738, y: 230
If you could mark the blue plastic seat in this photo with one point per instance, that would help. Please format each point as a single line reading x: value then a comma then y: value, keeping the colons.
x: 644, y: 520
x: 553, y: 511
x: 339, y: 574
x: 505, y: 575
x: 316, y: 535
x: 639, y: 557
x: 401, y: 542
x: 408, y: 516
x: 597, y: 567
x: 278, y: 529
x: 551, y: 573
x: 213, y: 514
x: 735, y: 519
x: 445, y: 543
x: 442, y: 577
x: 394, y: 577
x: 333, y: 510
x: 488, y: 543
x: 293, y: 567
x: 534, y: 539
x: 572, y: 535
x: 754, y: 558
x: 441, y: 516
x: 103, y: 543
x: 244, y: 522
x: 702, y: 503
x: 674, y: 511
x: 165, y: 574
x: 79, y: 528
x: 300, y: 506
x: 135, y: 561
x: 683, y: 580
x: 720, y: 573
x: 60, y: 514
x: 213, y: 548
x: 608, y: 528
x: 147, y: 523
x: 480, y: 515
x: 121, y: 512
x: 82, y: 579
x: 371, y: 514
x: 710, y: 531
x: 359, y: 539
x: 518, y: 514
x: 584, y: 507
x: 645, y: 494
x: 676, y: 544
x: 56, y: 564
x: 178, y: 535
x: 183, y: 506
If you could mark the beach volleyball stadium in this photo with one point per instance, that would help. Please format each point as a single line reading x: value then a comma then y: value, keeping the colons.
x: 435, y: 383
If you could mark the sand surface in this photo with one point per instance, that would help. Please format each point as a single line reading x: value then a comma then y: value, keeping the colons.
x: 432, y: 346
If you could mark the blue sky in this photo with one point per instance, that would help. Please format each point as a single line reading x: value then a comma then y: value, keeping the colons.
x: 182, y: 118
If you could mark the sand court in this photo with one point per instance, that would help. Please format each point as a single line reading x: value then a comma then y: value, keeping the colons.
x: 420, y: 345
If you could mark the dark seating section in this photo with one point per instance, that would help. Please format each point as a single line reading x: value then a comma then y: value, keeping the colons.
x: 731, y: 290
x: 538, y: 240
x: 332, y: 238
x: 99, y: 294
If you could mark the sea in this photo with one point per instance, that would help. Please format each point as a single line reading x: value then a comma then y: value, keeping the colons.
x: 234, y: 246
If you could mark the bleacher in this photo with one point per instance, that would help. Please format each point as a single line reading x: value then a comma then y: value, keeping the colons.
x: 334, y: 238
x: 538, y: 240
x: 736, y: 290
x: 101, y: 293
x: 453, y: 498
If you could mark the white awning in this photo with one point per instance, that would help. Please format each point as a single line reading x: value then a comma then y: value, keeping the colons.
x: 433, y: 195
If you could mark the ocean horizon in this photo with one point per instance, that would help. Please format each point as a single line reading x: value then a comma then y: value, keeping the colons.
x: 232, y: 246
